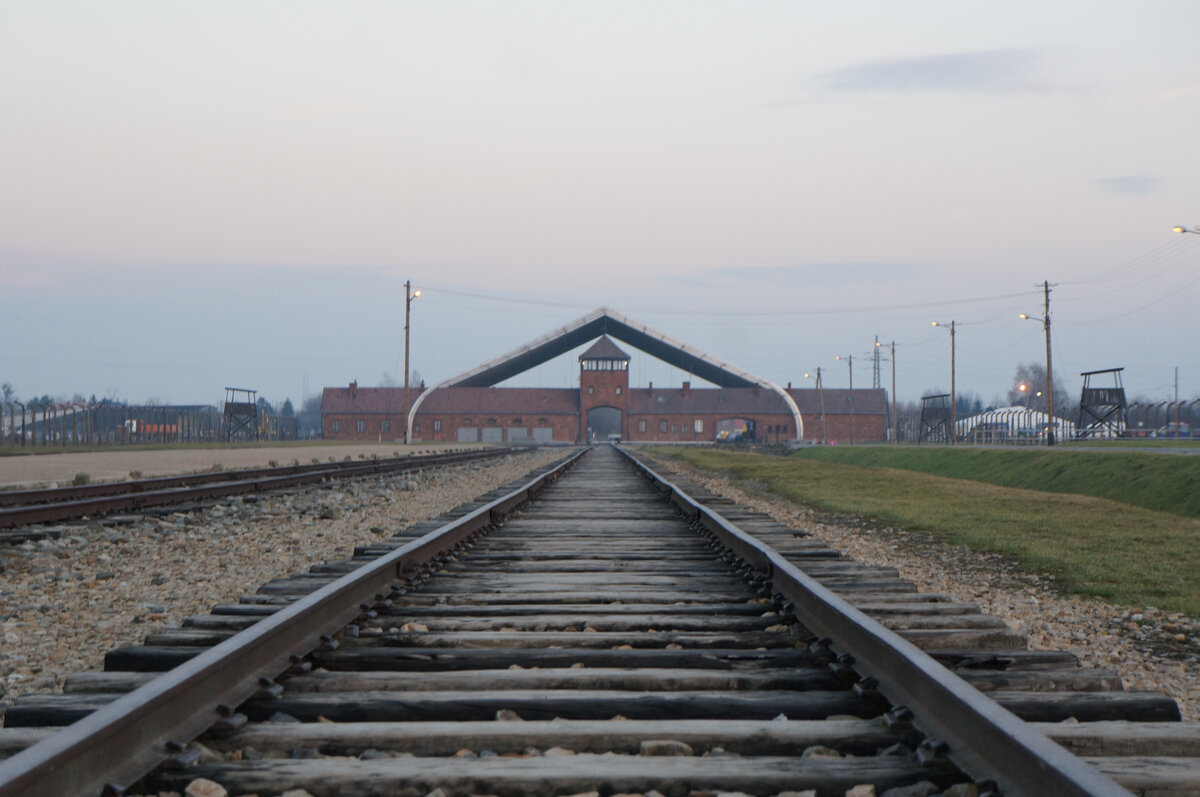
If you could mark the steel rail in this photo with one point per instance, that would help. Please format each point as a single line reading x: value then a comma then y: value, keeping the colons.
x: 45, y: 495
x: 51, y: 494
x: 111, y: 748
x: 111, y: 497
x: 983, y: 739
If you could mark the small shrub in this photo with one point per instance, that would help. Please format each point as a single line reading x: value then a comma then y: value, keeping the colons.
x: 272, y: 463
x: 316, y: 461
x: 135, y: 474
x: 81, y: 479
x: 217, y: 468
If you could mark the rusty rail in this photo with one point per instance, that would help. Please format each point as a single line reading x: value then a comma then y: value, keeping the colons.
x: 43, y: 506
x: 988, y: 741
x: 114, y: 746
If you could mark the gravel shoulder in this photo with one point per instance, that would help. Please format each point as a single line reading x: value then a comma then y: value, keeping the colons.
x: 1150, y: 649
x: 115, y: 464
x: 64, y: 603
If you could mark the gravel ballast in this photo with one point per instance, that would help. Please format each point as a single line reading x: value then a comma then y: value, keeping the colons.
x: 104, y: 584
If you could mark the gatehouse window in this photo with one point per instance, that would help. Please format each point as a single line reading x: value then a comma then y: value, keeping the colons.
x: 699, y: 426
x: 384, y: 426
x: 642, y: 425
x: 437, y: 425
x: 361, y: 426
x: 591, y: 390
x: 336, y: 426
x: 662, y: 426
x: 618, y: 390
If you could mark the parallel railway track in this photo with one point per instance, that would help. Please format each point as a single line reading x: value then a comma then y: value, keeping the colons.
x: 24, y: 507
x: 614, y: 635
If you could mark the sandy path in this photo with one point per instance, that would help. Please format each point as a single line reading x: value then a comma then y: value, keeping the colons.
x: 36, y: 470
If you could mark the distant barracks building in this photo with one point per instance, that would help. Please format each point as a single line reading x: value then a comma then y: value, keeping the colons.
x: 468, y: 408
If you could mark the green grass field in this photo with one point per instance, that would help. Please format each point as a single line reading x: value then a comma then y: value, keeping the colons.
x: 1162, y: 482
x: 1092, y: 546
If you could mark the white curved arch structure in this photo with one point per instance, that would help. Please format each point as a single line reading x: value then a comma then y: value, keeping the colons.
x: 604, y: 321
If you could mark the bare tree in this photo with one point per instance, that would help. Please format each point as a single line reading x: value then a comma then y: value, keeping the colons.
x: 1033, y: 396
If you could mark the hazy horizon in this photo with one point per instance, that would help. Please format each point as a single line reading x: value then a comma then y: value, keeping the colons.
x: 231, y: 194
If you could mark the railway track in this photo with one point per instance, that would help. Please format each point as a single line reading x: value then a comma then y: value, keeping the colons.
x: 614, y: 635
x: 28, y: 507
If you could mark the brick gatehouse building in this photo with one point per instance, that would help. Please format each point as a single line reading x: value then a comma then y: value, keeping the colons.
x: 468, y: 408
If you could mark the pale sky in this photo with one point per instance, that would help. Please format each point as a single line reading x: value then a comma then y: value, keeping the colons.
x: 195, y: 195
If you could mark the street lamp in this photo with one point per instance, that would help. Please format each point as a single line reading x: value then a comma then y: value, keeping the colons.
x: 953, y: 394
x: 409, y: 295
x: 821, y: 393
x: 1045, y: 319
x: 1182, y: 229
x: 849, y: 358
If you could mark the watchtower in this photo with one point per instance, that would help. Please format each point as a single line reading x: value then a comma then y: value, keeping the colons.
x: 1102, y: 410
x: 935, y: 418
x: 241, y: 414
x: 603, y: 389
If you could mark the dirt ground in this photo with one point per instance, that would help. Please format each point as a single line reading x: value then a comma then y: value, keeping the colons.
x: 115, y: 464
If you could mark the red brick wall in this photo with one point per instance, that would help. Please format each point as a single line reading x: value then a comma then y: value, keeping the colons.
x: 680, y: 427
x: 566, y: 427
x: 372, y: 427
x: 867, y: 428
x: 605, y: 389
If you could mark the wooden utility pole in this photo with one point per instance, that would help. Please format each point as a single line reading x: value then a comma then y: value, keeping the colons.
x: 408, y: 299
x: 1049, y: 364
x: 895, y: 427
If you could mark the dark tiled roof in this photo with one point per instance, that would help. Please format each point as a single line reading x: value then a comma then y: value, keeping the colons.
x: 604, y: 349
x: 867, y: 401
x: 749, y: 401
x: 502, y: 401
x: 705, y: 401
x: 366, y: 400
x: 452, y: 401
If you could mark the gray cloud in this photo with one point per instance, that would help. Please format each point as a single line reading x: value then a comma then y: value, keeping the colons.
x: 988, y: 72
x: 1136, y: 184
x: 825, y: 273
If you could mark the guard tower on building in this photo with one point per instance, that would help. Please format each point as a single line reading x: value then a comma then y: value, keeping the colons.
x: 604, y: 391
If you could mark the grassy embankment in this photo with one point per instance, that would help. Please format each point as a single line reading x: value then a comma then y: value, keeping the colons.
x: 1162, y: 482
x: 1092, y: 546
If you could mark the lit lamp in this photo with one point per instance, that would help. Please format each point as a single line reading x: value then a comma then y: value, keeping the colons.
x: 1182, y: 229
x: 409, y: 295
x: 953, y: 394
x: 1049, y: 369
